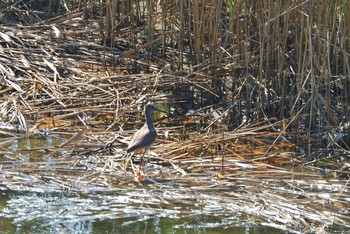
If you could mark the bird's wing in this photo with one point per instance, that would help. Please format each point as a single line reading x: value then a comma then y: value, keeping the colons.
x: 143, y: 138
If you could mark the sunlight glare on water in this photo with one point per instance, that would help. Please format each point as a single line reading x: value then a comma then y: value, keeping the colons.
x: 61, y: 212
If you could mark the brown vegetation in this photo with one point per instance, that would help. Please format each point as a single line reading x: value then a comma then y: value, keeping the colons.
x: 251, y: 87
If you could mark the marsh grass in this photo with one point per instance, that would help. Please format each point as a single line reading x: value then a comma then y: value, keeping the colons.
x: 250, y: 87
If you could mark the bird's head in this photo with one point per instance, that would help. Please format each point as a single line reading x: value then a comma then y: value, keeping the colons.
x: 150, y: 107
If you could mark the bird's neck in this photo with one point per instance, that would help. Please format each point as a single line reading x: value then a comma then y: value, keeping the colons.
x: 149, y: 120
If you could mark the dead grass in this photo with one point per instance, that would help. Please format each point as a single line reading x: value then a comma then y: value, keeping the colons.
x: 58, y: 79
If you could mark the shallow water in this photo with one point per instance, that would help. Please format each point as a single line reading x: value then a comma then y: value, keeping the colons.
x: 102, y: 213
x: 46, y: 189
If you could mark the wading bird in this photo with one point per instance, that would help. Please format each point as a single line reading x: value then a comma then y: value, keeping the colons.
x: 144, y: 137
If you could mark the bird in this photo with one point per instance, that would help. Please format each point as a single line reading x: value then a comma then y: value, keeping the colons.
x: 145, y: 136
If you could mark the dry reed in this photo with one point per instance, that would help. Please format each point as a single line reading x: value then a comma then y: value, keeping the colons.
x: 240, y: 77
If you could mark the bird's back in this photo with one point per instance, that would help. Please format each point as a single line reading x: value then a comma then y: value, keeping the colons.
x: 143, y: 138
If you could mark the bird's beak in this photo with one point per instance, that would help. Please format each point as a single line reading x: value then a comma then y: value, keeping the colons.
x: 160, y: 110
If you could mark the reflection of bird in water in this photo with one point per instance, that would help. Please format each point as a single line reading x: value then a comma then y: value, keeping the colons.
x: 144, y: 137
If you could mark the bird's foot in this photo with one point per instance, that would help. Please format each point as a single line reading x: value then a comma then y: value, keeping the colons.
x: 139, y: 177
x: 142, y: 165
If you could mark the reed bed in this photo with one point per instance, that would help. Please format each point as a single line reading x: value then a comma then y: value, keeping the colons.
x: 281, y: 59
x: 280, y: 193
x: 248, y: 86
